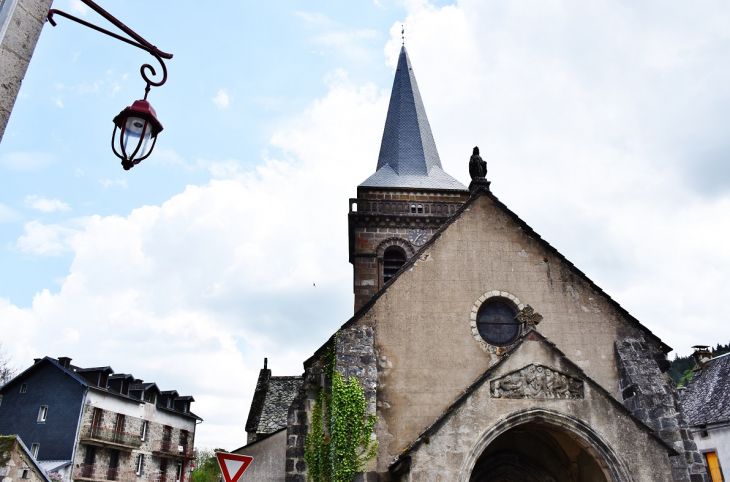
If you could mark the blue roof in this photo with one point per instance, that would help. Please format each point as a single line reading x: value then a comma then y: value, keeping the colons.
x: 408, y: 156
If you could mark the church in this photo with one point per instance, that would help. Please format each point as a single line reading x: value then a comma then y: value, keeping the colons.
x: 484, y: 355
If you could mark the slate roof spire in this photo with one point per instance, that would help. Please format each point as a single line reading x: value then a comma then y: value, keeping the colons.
x: 408, y: 155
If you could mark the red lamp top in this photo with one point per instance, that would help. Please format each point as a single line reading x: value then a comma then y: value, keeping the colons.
x: 141, y: 109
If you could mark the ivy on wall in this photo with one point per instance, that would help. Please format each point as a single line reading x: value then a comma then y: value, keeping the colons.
x: 339, y: 443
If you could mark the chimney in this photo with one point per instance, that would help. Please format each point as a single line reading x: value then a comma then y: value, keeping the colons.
x: 36, y: 360
x: 266, y: 362
x: 64, y: 361
x: 702, y: 355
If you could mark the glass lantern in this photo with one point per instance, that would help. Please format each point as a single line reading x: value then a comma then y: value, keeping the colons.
x: 138, y: 126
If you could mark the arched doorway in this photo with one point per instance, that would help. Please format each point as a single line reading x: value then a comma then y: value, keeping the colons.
x: 532, y: 453
x: 540, y: 445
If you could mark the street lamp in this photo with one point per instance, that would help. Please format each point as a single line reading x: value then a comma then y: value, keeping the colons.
x: 138, y: 128
x: 137, y: 124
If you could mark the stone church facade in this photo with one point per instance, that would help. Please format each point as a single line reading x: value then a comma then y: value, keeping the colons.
x: 484, y: 353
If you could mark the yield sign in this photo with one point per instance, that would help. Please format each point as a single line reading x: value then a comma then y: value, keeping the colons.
x: 233, y: 465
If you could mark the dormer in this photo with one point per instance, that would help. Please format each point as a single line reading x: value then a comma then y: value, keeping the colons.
x: 182, y: 404
x: 167, y: 399
x: 120, y: 383
x: 98, y: 376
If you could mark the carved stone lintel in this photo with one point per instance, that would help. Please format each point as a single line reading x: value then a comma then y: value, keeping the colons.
x: 529, y: 317
x: 537, y: 382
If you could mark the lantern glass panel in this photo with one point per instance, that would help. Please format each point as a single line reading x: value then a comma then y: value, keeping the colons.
x: 137, y: 132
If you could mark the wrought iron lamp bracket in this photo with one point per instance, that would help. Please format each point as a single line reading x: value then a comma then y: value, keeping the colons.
x: 136, y: 40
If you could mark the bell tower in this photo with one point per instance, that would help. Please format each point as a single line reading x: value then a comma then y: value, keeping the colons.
x: 407, y: 199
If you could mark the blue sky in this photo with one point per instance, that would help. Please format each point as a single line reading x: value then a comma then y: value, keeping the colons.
x: 604, y: 126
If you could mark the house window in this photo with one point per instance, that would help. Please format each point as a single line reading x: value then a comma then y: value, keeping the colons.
x: 420, y: 208
x: 140, y: 464
x: 713, y: 466
x: 143, y: 433
x: 119, y: 423
x: 25, y: 474
x: 23, y: 387
x: 179, y: 471
x: 34, y: 448
x: 97, y: 417
x: 42, y: 413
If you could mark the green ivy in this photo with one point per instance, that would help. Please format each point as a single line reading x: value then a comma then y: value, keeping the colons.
x: 339, y: 443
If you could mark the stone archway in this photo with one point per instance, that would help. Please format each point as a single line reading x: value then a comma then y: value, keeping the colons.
x: 542, y: 446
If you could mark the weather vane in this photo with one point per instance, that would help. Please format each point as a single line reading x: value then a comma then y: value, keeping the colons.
x: 402, y: 35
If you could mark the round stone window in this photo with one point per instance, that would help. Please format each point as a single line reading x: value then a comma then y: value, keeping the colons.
x: 496, y: 322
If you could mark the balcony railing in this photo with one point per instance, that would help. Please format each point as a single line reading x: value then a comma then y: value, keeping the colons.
x: 166, y: 447
x: 107, y: 435
x: 97, y: 472
x: 403, y: 208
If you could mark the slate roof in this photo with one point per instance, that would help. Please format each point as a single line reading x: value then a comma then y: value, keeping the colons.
x: 271, y: 401
x: 279, y: 397
x: 408, y: 156
x: 707, y: 398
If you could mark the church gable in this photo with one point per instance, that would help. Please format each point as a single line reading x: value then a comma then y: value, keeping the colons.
x: 427, y: 348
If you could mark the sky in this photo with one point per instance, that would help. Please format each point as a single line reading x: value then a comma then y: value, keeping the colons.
x: 604, y: 125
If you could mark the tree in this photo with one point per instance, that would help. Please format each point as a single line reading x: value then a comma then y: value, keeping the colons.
x: 7, y: 371
x: 206, y: 466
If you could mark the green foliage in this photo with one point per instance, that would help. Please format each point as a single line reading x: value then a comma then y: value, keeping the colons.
x: 351, y: 428
x: 206, y: 466
x: 339, y: 443
x: 686, y: 377
x: 317, y: 449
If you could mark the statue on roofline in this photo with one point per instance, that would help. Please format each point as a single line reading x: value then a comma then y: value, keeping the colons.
x: 477, y: 166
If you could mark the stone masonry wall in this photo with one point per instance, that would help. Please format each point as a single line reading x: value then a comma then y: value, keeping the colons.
x: 16, y: 50
x: 653, y: 400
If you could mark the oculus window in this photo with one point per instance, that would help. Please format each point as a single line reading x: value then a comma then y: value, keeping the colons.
x: 496, y: 322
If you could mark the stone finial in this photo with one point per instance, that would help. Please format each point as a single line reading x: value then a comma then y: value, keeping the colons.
x: 529, y: 317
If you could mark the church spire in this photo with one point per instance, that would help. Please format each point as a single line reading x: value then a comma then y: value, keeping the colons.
x: 408, y: 155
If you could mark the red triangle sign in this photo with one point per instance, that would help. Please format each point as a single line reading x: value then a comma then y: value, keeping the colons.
x: 233, y: 465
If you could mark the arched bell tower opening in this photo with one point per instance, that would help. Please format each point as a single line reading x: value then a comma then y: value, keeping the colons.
x: 393, y: 258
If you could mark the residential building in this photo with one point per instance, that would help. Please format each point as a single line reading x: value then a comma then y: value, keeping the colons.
x: 91, y: 424
x: 706, y: 402
x: 17, y: 463
x: 21, y: 22
x: 484, y: 354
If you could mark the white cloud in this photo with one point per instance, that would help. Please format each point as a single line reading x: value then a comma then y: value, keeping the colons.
x: 222, y: 100
x: 79, y: 7
x: 45, y: 240
x: 46, y: 205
